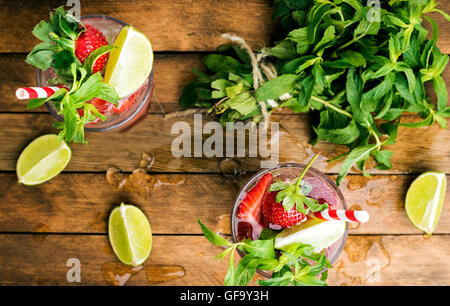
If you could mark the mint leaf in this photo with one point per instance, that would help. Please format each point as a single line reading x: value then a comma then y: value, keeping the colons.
x: 274, y: 88
x: 260, y: 248
x: 212, y: 237
x: 42, y: 30
x: 93, y: 57
x: 42, y: 56
x: 34, y: 103
x: 355, y: 155
x: 245, y: 270
x: 383, y: 159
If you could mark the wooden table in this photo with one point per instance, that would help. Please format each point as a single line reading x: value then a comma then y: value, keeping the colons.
x: 42, y: 227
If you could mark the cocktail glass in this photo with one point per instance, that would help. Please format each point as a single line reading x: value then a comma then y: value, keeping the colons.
x: 323, y: 187
x: 137, y: 110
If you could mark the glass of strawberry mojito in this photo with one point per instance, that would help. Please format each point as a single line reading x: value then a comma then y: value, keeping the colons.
x: 100, y: 31
x: 261, y: 205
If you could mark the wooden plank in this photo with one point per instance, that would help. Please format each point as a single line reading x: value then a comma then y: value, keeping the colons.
x: 170, y: 25
x: 172, y: 73
x: 186, y: 26
x: 367, y: 260
x: 81, y: 203
x: 153, y: 135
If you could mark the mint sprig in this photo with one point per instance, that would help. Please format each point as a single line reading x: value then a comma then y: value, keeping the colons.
x: 85, y: 87
x: 57, y: 49
x: 296, y: 194
x: 297, y: 265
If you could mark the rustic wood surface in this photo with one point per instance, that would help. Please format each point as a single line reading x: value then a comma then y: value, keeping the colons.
x: 41, y: 227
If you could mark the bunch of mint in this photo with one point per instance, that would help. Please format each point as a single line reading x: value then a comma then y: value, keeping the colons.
x: 297, y: 265
x: 354, y: 65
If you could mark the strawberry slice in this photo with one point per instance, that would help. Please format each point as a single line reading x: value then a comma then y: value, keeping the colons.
x: 125, y: 104
x: 249, y: 212
x: 250, y: 207
x: 104, y: 107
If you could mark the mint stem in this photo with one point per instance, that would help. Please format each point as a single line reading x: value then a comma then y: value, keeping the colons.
x: 306, y: 170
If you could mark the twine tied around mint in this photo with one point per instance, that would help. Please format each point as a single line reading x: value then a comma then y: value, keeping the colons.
x: 261, y: 71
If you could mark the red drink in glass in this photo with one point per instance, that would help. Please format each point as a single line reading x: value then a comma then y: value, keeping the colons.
x: 129, y: 109
x: 323, y: 189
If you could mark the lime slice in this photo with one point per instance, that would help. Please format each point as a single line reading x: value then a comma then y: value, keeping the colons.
x: 424, y: 200
x: 43, y: 159
x: 130, y: 62
x: 318, y: 233
x: 130, y: 234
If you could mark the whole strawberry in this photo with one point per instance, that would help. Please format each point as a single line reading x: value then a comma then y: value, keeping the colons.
x: 89, y: 41
x: 276, y: 216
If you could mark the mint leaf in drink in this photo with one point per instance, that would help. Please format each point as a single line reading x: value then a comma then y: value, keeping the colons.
x: 212, y: 237
x: 298, y: 265
x: 70, y: 103
x: 94, y: 56
x: 295, y: 194
x: 260, y: 248
x: 42, y: 55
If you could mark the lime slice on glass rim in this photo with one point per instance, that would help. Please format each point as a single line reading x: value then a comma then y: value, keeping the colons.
x: 130, y: 62
x: 318, y: 233
x: 43, y: 159
x: 424, y: 200
x: 130, y: 234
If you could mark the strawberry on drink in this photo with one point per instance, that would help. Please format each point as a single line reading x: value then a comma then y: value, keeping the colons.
x: 105, y: 85
x: 87, y: 42
x: 286, y: 202
x: 249, y: 212
x: 275, y: 216
x: 285, y: 229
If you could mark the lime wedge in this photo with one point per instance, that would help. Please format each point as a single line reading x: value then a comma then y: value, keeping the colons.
x: 43, y: 159
x: 320, y: 234
x: 424, y: 200
x: 130, y: 62
x: 130, y: 234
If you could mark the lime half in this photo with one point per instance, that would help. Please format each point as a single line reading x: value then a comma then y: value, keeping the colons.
x: 130, y: 234
x: 318, y: 233
x: 43, y: 159
x: 424, y: 200
x: 130, y: 62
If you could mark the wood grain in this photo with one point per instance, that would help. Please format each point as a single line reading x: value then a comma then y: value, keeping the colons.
x: 187, y: 25
x: 367, y: 260
x: 81, y: 203
x: 416, y: 150
x: 172, y: 25
x: 172, y: 73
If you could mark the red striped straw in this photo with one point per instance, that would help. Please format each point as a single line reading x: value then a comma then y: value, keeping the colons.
x: 360, y: 216
x: 25, y: 93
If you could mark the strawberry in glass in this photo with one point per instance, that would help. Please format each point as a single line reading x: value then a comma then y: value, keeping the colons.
x: 80, y: 57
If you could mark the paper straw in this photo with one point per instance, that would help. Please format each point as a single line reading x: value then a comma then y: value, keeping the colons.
x: 25, y: 93
x: 359, y: 216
